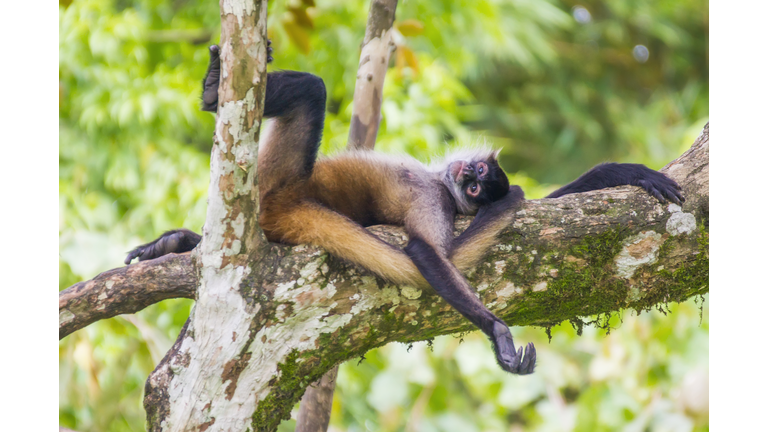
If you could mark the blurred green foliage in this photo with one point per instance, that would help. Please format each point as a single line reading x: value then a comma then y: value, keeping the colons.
x: 557, y: 88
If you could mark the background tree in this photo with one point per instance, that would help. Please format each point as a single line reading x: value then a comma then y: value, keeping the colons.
x: 134, y: 154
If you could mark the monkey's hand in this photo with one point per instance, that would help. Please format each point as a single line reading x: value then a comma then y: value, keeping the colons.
x: 510, y: 360
x: 175, y: 241
x: 500, y: 207
x: 658, y: 185
x: 211, y: 80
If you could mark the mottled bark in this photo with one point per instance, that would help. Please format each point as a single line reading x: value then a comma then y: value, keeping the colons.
x: 374, y: 59
x: 125, y: 290
x: 195, y: 386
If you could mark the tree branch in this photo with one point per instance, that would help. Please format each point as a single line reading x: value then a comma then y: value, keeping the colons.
x: 563, y: 259
x: 125, y: 290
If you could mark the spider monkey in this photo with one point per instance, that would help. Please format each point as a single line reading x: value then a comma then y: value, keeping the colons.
x: 328, y: 202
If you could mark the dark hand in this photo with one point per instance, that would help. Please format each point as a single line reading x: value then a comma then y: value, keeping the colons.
x: 175, y: 241
x: 499, y: 207
x: 660, y: 186
x: 510, y: 360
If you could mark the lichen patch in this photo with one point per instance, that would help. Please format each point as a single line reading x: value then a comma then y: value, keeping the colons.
x: 680, y: 222
x: 410, y: 293
x: 65, y: 316
x: 638, y: 250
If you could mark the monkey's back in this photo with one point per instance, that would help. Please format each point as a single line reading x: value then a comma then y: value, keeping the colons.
x: 368, y: 187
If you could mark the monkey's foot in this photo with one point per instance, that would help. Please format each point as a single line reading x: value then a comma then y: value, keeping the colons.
x: 510, y: 360
x: 660, y: 186
x: 175, y: 241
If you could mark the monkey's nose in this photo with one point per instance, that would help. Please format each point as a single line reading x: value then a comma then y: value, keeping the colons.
x: 469, y: 172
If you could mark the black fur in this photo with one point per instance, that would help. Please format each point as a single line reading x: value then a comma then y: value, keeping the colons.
x: 174, y: 241
x: 495, y: 184
x: 489, y: 213
x: 289, y: 92
x: 608, y: 175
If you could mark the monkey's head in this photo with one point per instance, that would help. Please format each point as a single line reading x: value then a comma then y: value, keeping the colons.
x: 475, y: 179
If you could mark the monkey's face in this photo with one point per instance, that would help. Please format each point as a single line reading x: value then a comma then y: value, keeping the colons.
x: 475, y: 183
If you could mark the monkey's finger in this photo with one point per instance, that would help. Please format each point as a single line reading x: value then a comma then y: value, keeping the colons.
x: 133, y: 254
x: 529, y: 362
x: 651, y: 189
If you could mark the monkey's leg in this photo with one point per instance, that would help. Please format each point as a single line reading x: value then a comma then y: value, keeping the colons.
x: 174, y: 241
x: 312, y: 223
x: 608, y: 175
x: 451, y: 285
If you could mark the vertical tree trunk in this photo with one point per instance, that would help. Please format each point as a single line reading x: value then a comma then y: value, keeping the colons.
x: 315, y: 406
x: 374, y: 59
x: 195, y: 386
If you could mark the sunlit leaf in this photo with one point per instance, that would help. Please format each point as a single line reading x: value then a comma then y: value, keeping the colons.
x: 409, y: 27
x: 405, y: 57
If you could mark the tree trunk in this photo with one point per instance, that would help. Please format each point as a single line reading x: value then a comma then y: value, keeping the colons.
x: 374, y: 59
x: 198, y: 389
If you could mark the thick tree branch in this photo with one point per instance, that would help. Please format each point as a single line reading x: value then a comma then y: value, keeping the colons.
x: 125, y: 290
x: 563, y: 259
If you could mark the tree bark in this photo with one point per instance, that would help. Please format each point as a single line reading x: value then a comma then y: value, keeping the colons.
x: 374, y: 59
x: 198, y: 389
x: 315, y: 405
x: 125, y: 290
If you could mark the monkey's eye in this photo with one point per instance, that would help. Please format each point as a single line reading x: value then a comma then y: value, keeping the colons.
x: 480, y: 169
x: 473, y: 189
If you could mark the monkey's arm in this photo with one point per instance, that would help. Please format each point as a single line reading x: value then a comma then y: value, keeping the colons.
x: 608, y: 175
x: 448, y: 282
x: 310, y: 223
x: 471, y: 246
